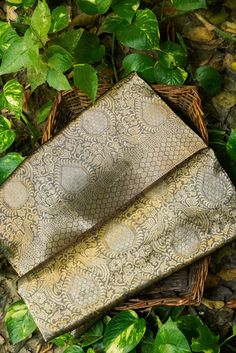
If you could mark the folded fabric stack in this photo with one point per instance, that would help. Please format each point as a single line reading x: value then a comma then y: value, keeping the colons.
x: 125, y: 195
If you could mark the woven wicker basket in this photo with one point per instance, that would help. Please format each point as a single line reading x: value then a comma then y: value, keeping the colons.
x: 184, y: 287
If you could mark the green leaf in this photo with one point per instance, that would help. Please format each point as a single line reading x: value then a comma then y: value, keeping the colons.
x: 37, y: 74
x: 170, y: 339
x: 41, y: 21
x: 69, y: 40
x: 7, y: 138
x: 43, y: 112
x: 142, y: 33
x: 25, y: 53
x: 123, y: 332
x: 4, y: 123
x: 8, y: 164
x: 172, y: 54
x: 231, y: 145
x: 93, y: 335
x: 140, y: 63
x: 74, y: 349
x: 189, y: 5
x: 85, y: 78
x: 59, y: 58
x: 28, y: 3
x: 7, y: 36
x: 19, y: 321
x: 60, y: 19
x: 13, y: 93
x: 188, y: 324
x: 175, y: 76
x: 209, y: 79
x: 15, y: 2
x: 89, y: 50
x: 147, y: 342
x: 125, y: 8
x: 207, y: 342
x: 60, y: 341
x: 60, y: 62
x: 92, y: 7
x: 57, y: 80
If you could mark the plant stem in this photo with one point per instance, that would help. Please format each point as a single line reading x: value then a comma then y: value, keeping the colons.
x: 113, y: 57
x: 226, y: 340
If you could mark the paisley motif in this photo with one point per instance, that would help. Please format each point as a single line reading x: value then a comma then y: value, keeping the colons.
x: 162, y: 230
x: 102, y: 160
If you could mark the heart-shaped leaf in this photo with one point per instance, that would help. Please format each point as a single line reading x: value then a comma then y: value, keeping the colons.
x: 174, y: 76
x: 56, y: 79
x: 13, y: 93
x: 142, y: 33
x: 60, y: 19
x: 95, y: 6
x: 170, y: 339
x: 89, y: 50
x: 140, y: 63
x: 172, y: 54
x: 207, y: 342
x: 123, y: 332
x: 69, y: 40
x: 94, y: 334
x: 41, y: 20
x: 19, y: 321
x: 125, y: 8
x: 74, y: 349
x: 209, y: 79
x: 85, y: 78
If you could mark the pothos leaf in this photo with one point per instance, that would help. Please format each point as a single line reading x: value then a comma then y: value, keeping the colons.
x: 140, y: 63
x: 142, y: 33
x: 95, y: 6
x: 19, y: 321
x: 125, y: 8
x: 85, y: 78
x: 209, y: 78
x: 123, y: 332
x: 41, y: 20
x: 57, y: 80
x: 170, y: 338
x: 60, y: 19
x: 170, y: 76
x: 172, y: 54
x: 207, y: 342
x: 13, y: 93
x: 74, y: 349
x: 7, y: 138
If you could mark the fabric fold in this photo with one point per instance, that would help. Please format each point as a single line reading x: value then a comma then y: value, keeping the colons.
x: 99, y: 163
x: 182, y: 217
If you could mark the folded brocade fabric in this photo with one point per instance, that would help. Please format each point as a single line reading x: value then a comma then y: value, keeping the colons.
x: 100, y: 161
x: 133, y: 188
